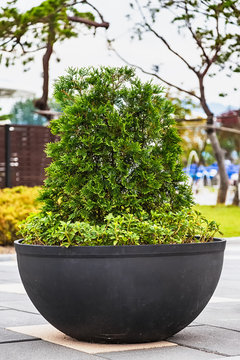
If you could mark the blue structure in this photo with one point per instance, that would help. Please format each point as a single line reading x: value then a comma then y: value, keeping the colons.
x: 197, y: 172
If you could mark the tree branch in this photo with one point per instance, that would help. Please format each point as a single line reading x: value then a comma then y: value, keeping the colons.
x: 198, y: 41
x: 94, y: 8
x: 6, y: 42
x: 35, y: 50
x: 164, y: 40
x: 155, y: 75
x: 218, y: 48
x: 88, y: 22
x: 211, y: 61
x: 22, y: 47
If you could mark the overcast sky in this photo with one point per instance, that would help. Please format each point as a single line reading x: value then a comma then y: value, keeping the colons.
x: 87, y: 50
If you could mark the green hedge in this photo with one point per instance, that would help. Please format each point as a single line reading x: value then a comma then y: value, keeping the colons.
x: 15, y: 205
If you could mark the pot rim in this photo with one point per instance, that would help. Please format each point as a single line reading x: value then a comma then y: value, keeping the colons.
x: 217, y: 245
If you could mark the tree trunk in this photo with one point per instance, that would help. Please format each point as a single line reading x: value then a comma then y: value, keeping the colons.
x: 236, y: 199
x: 236, y: 195
x: 42, y: 103
x: 219, y: 154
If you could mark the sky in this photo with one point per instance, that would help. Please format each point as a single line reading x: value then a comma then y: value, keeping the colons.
x: 89, y: 50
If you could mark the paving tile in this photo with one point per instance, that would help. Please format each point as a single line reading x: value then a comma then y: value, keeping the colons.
x: 49, y: 333
x: 8, y: 258
x: 22, y: 305
x: 16, y: 301
x: 233, y: 254
x: 39, y: 350
x: 7, y: 277
x: 228, y: 358
x: 6, y: 297
x: 229, y: 285
x: 19, y: 318
x: 209, y: 338
x: 226, y: 315
x: 8, y: 261
x: 171, y: 353
x: 11, y: 296
x: 16, y: 288
x: 229, y: 289
x: 223, y: 300
x: 11, y: 336
x: 195, y: 324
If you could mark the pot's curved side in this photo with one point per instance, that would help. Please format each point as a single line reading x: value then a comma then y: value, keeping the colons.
x: 124, y: 294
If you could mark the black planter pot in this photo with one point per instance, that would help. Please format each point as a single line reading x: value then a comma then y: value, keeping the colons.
x: 121, y: 294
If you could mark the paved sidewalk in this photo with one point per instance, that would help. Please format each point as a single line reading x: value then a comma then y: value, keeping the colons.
x: 215, y: 334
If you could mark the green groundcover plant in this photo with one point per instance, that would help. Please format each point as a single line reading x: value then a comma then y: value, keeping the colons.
x: 115, y: 176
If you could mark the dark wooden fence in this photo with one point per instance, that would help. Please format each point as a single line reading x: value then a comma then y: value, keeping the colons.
x: 22, y: 156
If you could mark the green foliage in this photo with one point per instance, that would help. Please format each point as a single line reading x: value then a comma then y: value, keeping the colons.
x: 15, y: 205
x: 23, y: 33
x: 4, y: 117
x: 23, y: 112
x: 115, y: 175
x: 118, y: 150
x: 184, y: 226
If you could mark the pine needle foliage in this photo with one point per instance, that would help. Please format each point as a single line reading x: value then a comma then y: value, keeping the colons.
x: 117, y: 158
x: 119, y: 150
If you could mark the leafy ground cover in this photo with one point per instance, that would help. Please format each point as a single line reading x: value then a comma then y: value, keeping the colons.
x: 227, y: 216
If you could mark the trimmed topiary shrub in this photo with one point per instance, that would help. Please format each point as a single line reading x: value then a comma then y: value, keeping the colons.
x: 115, y: 176
x: 15, y: 205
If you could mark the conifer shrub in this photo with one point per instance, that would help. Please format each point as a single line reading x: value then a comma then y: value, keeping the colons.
x: 115, y: 176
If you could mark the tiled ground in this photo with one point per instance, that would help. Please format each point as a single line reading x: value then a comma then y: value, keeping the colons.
x: 215, y: 334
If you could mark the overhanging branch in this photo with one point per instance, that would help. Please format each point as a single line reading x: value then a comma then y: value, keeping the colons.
x: 164, y: 41
x: 88, y: 22
x: 155, y: 75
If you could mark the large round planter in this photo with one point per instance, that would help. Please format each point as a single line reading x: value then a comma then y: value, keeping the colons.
x: 120, y: 294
